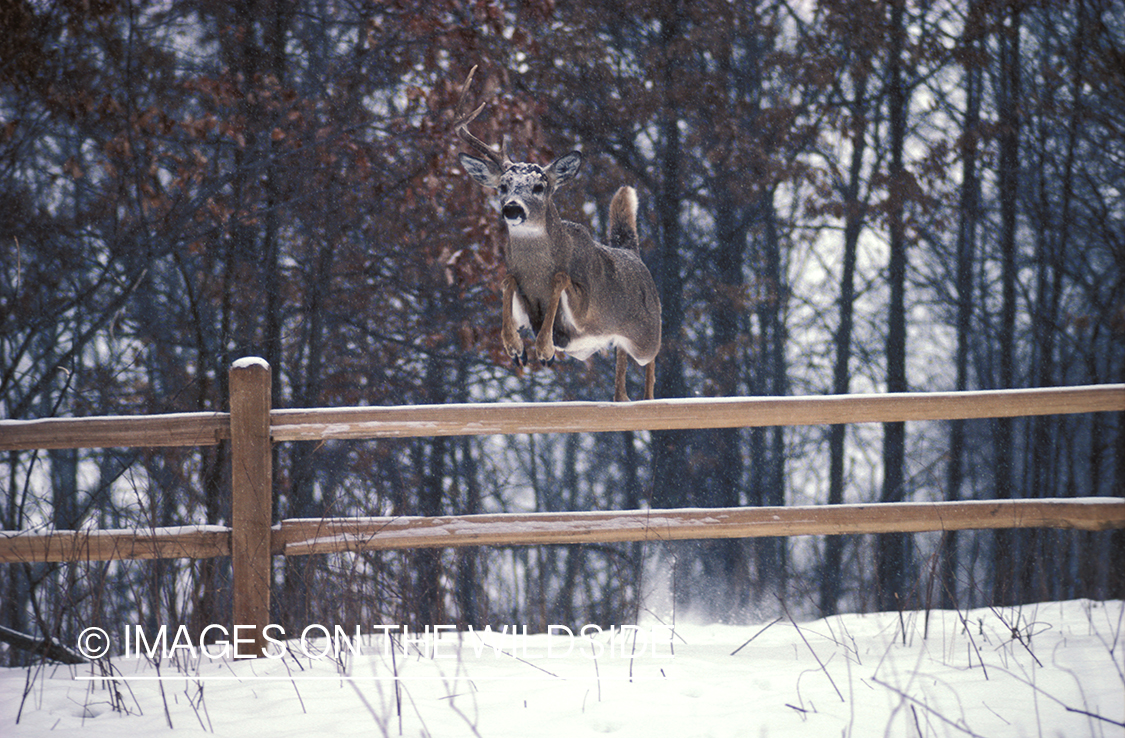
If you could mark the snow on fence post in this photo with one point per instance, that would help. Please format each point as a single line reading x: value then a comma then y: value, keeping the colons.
x: 251, y: 502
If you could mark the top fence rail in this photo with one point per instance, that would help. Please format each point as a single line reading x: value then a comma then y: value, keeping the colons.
x: 318, y: 424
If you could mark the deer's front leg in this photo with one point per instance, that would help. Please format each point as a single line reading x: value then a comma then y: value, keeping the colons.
x: 544, y: 343
x: 509, y: 332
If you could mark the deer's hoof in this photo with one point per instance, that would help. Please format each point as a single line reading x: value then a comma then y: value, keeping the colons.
x: 520, y: 359
x: 545, y: 358
x: 546, y: 355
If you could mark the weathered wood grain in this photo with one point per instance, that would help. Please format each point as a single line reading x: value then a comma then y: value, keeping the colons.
x: 203, y: 429
x: 251, y: 498
x: 728, y: 412
x: 299, y: 537
x: 184, y: 542
x: 115, y: 431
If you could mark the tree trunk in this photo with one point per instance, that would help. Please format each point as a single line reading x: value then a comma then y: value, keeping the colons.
x: 772, y: 552
x: 468, y: 569
x: 969, y: 213
x: 299, y: 571
x: 854, y: 213
x: 892, y: 550
x: 1005, y: 589
x: 669, y: 448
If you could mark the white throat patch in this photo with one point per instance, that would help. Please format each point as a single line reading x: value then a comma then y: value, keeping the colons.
x: 525, y: 229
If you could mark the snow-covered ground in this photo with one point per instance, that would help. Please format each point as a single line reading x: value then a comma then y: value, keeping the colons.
x: 1052, y: 669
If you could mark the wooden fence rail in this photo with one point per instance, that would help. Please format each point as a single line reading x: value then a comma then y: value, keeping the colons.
x: 317, y: 424
x: 252, y: 427
x: 335, y: 535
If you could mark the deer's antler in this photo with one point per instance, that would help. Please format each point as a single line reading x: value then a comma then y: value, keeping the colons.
x: 463, y: 119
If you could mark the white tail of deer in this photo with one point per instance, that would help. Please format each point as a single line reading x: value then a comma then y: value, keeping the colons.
x: 575, y: 294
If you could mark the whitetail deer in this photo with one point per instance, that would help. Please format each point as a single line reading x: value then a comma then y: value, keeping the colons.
x: 575, y: 294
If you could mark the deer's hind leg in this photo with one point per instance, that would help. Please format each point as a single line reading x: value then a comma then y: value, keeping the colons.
x: 619, y: 392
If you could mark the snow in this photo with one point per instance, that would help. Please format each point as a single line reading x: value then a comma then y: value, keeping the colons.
x: 1038, y: 670
x: 138, y: 533
x: 249, y: 361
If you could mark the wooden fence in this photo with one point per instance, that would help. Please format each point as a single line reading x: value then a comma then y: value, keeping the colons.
x: 252, y: 427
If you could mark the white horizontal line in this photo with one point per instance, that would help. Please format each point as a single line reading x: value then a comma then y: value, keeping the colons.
x: 313, y: 678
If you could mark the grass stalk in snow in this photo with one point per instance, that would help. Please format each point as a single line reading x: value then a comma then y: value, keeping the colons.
x: 813, y: 652
x: 1079, y: 711
x: 914, y: 702
x: 763, y: 630
x: 397, y: 683
x: 163, y: 695
x: 196, y: 703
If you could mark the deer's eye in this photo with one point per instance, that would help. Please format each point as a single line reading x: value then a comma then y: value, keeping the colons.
x: 503, y: 189
x: 538, y: 189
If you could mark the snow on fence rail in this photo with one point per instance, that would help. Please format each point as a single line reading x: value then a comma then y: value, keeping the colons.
x: 252, y: 427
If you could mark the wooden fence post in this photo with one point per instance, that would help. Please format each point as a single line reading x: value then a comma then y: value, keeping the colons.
x: 251, y: 503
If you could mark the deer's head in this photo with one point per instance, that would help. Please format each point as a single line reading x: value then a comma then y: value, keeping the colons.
x: 525, y: 189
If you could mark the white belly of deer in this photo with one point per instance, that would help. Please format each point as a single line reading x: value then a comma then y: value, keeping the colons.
x: 584, y: 346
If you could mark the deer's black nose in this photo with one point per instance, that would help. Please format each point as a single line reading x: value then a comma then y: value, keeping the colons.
x: 513, y: 211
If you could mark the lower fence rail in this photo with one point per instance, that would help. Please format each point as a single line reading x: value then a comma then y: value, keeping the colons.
x: 334, y: 535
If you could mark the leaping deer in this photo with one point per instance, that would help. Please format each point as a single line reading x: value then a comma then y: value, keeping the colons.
x: 574, y: 293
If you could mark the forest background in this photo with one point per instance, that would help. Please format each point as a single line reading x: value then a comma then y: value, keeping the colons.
x: 836, y: 197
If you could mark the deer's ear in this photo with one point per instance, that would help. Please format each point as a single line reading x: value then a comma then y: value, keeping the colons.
x: 484, y: 173
x: 565, y: 168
